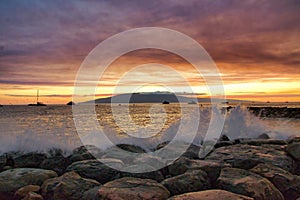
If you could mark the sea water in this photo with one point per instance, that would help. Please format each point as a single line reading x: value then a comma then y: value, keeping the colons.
x: 24, y: 128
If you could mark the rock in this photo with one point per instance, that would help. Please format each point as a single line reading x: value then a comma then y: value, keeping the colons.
x: 247, y: 183
x: 263, y: 136
x: 96, y: 170
x: 70, y: 103
x: 153, y: 161
x: 293, y: 138
x: 287, y: 183
x: 131, y: 148
x: 29, y: 160
x: 224, y: 138
x: 69, y: 186
x: 259, y: 142
x: 91, y: 194
x: 294, y: 150
x: 210, y: 195
x: 13, y: 179
x: 133, y: 188
x: 223, y: 143
x: 212, y: 168
x: 23, y: 191
x: 247, y: 156
x: 57, y: 164
x: 87, y: 152
x: 190, y: 181
x: 33, y: 196
x: 152, y: 174
x: 119, y: 154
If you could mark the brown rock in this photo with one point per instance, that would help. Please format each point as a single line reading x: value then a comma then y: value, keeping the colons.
x: 210, y: 195
x: 287, y: 183
x: 22, y: 192
x: 133, y: 188
x: 294, y: 150
x: 249, y: 184
x: 33, y: 196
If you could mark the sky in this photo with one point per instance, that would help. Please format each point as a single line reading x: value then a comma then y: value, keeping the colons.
x: 254, y: 43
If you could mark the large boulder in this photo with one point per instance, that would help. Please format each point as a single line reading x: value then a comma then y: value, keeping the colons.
x: 24, y: 191
x: 96, y: 170
x: 177, y: 149
x: 287, y: 183
x: 91, y: 194
x: 247, y: 156
x: 190, y: 181
x: 87, y: 152
x: 69, y: 186
x: 13, y: 179
x: 210, y: 195
x: 57, y: 164
x: 29, y: 160
x: 133, y: 188
x: 294, y: 150
x: 249, y: 184
x: 212, y: 168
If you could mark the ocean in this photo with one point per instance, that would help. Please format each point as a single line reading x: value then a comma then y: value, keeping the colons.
x: 24, y: 128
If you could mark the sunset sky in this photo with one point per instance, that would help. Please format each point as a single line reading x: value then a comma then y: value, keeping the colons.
x: 254, y: 43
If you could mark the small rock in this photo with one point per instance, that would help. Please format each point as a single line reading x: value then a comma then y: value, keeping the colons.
x: 13, y: 179
x: 133, y: 188
x: 190, y: 181
x: 224, y: 138
x: 33, y: 196
x: 294, y: 150
x: 247, y: 183
x: 95, y: 169
x: 69, y: 186
x: 87, y: 152
x: 287, y: 183
x: 263, y: 136
x: 22, y: 192
x: 210, y: 195
x: 293, y: 138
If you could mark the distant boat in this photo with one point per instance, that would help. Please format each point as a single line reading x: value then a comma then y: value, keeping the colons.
x: 37, y: 101
x: 70, y: 103
x: 165, y: 102
x: 192, y: 102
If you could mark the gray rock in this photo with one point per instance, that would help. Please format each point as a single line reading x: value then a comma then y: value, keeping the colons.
x: 131, y: 148
x: 57, y: 164
x: 87, y: 152
x: 263, y: 136
x: 294, y: 150
x: 210, y: 195
x: 133, y: 188
x: 120, y: 154
x: 69, y: 186
x: 29, y: 160
x: 287, y: 183
x: 14, y: 179
x: 190, y: 181
x: 96, y: 170
x: 247, y: 156
x: 247, y: 183
x: 91, y: 194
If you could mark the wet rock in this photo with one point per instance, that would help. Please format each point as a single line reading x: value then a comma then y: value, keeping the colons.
x: 57, y: 164
x: 154, y: 161
x: 120, y: 154
x: 95, y: 169
x: 263, y: 136
x: 33, y: 196
x: 224, y: 138
x: 69, y: 186
x: 131, y: 148
x: 149, y: 172
x: 247, y: 156
x: 190, y: 181
x: 247, y: 183
x: 293, y: 149
x: 293, y: 138
x: 211, y: 195
x: 87, y: 152
x: 13, y: 179
x: 133, y: 188
x: 91, y: 194
x: 29, y: 160
x: 23, y: 191
x: 212, y: 168
x: 287, y: 183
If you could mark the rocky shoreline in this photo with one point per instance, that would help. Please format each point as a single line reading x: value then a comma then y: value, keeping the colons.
x: 259, y: 169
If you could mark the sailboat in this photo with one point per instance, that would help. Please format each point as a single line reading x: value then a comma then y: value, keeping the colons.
x: 37, y: 101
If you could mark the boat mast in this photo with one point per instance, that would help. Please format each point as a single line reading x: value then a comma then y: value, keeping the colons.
x: 37, y: 95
